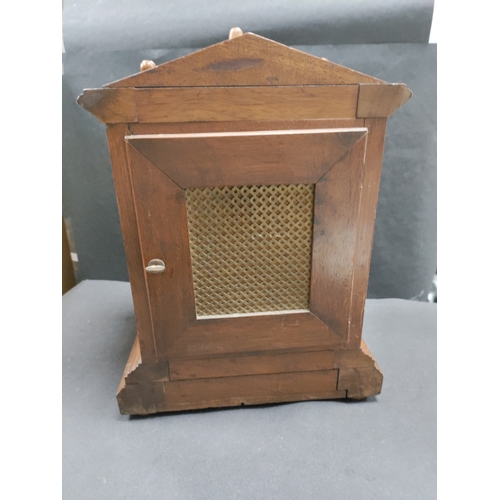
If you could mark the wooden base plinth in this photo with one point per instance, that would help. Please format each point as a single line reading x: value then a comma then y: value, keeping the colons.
x: 246, y: 380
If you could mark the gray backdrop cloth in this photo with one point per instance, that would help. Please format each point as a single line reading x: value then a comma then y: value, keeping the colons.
x: 381, y: 448
x: 103, y: 45
x: 155, y: 24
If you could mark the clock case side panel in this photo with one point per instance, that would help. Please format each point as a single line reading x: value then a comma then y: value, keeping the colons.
x: 366, y: 226
x: 146, y: 388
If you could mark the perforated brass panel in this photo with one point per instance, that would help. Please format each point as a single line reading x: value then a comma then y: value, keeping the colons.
x: 250, y: 248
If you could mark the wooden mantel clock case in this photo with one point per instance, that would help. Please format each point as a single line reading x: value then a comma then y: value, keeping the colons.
x: 247, y: 177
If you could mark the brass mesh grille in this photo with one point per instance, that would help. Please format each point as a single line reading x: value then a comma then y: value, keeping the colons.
x: 250, y: 248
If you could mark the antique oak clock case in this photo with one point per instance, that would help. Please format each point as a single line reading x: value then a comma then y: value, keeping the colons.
x: 247, y: 178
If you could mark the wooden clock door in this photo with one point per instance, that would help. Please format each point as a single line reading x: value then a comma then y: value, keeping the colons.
x: 248, y: 238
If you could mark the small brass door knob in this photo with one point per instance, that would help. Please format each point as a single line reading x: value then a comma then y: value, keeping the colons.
x: 155, y: 266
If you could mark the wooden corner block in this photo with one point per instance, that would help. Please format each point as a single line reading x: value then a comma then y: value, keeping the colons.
x: 140, y: 399
x: 381, y: 100
x: 360, y: 382
x: 359, y: 373
x: 110, y: 105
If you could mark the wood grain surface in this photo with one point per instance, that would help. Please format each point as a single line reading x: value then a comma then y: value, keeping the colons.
x: 377, y: 101
x: 246, y: 60
x: 229, y: 391
x: 245, y: 103
x: 366, y: 225
x: 334, y: 241
x: 214, y: 104
x: 258, y: 364
x: 246, y: 158
x: 253, y: 334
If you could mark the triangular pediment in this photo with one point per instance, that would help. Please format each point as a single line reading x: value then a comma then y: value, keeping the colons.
x: 245, y: 61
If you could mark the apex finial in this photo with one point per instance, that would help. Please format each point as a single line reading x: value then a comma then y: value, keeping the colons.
x: 147, y: 64
x: 235, y: 32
